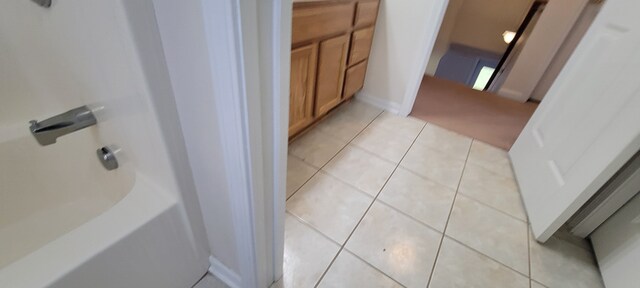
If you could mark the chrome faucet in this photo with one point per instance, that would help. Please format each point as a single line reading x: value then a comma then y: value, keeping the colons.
x: 47, y: 131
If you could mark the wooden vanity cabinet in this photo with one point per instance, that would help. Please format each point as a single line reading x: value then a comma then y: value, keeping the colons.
x: 331, y: 42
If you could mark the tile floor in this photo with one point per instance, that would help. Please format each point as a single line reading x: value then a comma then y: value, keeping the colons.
x: 377, y: 200
x: 210, y: 281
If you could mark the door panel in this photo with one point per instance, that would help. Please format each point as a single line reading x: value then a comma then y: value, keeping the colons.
x: 331, y: 67
x: 588, y: 124
x: 303, y: 72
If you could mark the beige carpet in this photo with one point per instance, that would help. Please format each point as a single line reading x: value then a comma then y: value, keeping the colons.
x: 482, y: 115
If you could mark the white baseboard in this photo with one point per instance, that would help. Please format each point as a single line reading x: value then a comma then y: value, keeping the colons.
x: 387, y: 105
x: 224, y: 273
x: 511, y: 94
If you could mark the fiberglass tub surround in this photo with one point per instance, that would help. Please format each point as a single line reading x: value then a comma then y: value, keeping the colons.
x: 62, y: 213
x: 48, y: 191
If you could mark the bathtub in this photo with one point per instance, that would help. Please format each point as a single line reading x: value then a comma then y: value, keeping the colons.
x: 65, y: 221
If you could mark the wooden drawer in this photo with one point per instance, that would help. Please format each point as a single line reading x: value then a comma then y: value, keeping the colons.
x: 366, y: 13
x: 311, y: 22
x: 360, y: 45
x: 354, y: 79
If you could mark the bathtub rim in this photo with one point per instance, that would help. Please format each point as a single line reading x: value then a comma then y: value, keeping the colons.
x: 52, y: 261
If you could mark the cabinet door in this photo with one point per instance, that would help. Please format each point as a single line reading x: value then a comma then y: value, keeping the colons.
x: 303, y: 72
x: 332, y: 61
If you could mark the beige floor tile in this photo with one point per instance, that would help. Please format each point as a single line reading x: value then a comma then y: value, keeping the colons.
x: 399, y: 246
x: 383, y: 143
x: 329, y: 205
x: 316, y: 148
x: 490, y: 232
x: 408, y: 127
x: 359, y: 110
x: 422, y: 199
x: 558, y: 263
x: 307, y: 254
x: 361, y: 169
x: 461, y: 267
x: 491, y: 158
x: 349, y: 271
x: 493, y: 189
x: 343, y: 126
x: 210, y: 281
x: 297, y: 173
x: 435, y: 165
x: 535, y: 284
x: 444, y: 140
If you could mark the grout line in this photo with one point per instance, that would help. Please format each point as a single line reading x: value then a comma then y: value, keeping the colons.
x: 493, y: 208
x: 318, y: 171
x: 453, y: 190
x: 502, y: 176
x: 408, y: 216
x: 529, y: 254
x: 305, y: 223
x: 485, y: 255
x: 201, y: 278
x: 325, y: 164
x: 368, y: 208
x: 346, y: 183
x: 435, y: 262
x: 374, y: 267
x: 443, y: 233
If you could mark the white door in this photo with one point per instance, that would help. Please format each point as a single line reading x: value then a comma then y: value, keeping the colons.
x: 588, y: 124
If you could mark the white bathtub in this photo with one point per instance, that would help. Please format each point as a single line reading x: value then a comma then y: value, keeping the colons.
x: 68, y: 222
x: 65, y: 221
x: 45, y: 192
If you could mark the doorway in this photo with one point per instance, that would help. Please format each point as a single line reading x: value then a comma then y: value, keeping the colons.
x: 353, y: 180
x: 467, y: 91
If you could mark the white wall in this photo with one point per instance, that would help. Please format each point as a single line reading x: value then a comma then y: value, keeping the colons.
x: 477, y: 24
x: 229, y: 65
x: 444, y: 36
x: 564, y: 52
x: 552, y: 28
x: 404, y: 31
x: 191, y: 79
x: 480, y: 24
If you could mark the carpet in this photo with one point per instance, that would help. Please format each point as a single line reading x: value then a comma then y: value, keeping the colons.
x: 481, y: 115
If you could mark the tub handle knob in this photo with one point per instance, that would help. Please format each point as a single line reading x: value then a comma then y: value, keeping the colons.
x: 107, y: 156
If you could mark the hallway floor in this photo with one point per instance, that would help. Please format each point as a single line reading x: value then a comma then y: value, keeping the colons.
x: 377, y: 200
x: 477, y: 114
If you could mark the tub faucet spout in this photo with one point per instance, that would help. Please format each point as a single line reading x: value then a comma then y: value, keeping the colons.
x: 47, y: 131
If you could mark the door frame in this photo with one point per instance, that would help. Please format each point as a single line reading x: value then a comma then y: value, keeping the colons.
x: 255, y: 58
x: 242, y: 89
x: 535, y: 7
x: 428, y: 41
x: 254, y: 109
